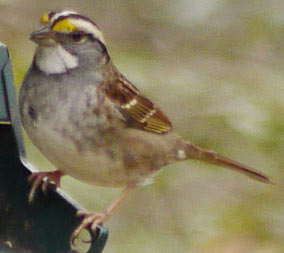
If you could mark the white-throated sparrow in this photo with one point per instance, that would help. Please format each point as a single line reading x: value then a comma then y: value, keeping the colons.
x: 90, y: 121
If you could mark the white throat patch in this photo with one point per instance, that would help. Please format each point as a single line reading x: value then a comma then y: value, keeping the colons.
x: 55, y: 60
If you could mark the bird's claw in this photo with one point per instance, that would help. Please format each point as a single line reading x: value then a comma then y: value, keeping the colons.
x: 91, y: 219
x: 43, y: 178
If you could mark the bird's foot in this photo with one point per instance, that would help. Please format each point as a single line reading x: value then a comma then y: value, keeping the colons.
x: 43, y: 178
x: 91, y: 219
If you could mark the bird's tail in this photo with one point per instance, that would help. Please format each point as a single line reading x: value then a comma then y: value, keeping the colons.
x: 194, y: 152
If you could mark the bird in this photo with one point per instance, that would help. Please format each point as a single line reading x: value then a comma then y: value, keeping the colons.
x: 91, y: 122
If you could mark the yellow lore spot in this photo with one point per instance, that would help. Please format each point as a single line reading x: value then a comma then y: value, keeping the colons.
x: 64, y: 25
x: 44, y: 18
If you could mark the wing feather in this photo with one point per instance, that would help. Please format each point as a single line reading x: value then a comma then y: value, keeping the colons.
x: 141, y: 111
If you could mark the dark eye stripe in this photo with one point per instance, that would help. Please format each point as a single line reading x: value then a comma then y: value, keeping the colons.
x: 77, y: 36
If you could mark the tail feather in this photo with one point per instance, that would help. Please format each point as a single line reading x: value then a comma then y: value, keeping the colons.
x: 194, y: 152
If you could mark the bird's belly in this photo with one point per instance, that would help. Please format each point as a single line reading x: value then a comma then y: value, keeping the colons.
x: 93, y: 165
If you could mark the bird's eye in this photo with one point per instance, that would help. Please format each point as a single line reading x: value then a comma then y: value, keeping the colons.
x: 77, y: 36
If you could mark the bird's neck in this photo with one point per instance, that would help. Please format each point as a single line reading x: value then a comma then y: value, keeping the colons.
x: 55, y: 60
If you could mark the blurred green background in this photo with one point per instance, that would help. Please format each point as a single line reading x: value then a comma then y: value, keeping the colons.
x: 216, y: 69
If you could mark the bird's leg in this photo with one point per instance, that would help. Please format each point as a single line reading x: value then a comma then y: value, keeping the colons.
x: 43, y: 178
x: 93, y: 218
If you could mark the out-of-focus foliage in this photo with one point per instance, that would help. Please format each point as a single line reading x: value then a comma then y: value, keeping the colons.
x: 216, y: 69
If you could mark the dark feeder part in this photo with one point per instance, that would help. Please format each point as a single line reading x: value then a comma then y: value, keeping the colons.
x: 47, y: 224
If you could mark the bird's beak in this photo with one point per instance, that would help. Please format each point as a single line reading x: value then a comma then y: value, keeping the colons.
x: 43, y: 37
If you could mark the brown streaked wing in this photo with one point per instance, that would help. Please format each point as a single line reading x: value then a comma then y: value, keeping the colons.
x: 137, y: 107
